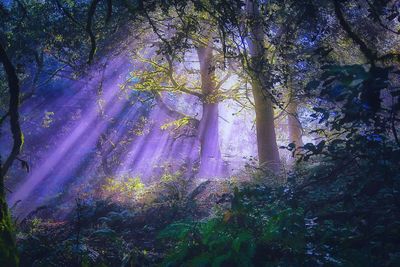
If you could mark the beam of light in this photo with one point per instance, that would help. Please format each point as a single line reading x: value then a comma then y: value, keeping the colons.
x: 82, y: 175
x: 84, y: 135
x: 146, y: 148
x: 237, y: 135
x: 73, y: 161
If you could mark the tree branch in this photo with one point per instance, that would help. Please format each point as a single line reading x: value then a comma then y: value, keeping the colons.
x: 109, y: 11
x: 378, y: 18
x: 91, y: 12
x: 67, y: 13
x: 14, y: 91
x: 181, y: 88
x: 367, y: 52
x: 170, y: 112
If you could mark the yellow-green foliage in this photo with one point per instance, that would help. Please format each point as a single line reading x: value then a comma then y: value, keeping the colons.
x: 173, y: 186
x: 125, y: 188
x: 35, y: 225
x: 8, y: 250
x: 176, y: 124
x: 170, y: 189
x: 169, y: 177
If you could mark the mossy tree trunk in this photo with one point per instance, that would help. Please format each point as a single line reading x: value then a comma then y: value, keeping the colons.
x: 8, y: 249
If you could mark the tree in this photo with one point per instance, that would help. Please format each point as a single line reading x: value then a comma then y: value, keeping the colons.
x: 8, y: 251
x: 163, y: 77
x: 210, y: 154
x: 268, y: 153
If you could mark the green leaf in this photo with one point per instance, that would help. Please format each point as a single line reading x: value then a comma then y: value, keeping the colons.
x: 105, y: 232
x: 221, y: 259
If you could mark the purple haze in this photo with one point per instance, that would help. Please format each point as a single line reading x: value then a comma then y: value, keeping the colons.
x: 66, y: 154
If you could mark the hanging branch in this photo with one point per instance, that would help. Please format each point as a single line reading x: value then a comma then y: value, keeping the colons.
x: 376, y: 15
x: 89, y: 22
x: 156, y: 31
x: 169, y: 111
x: 67, y: 13
x: 181, y: 88
x: 109, y: 11
x: 13, y: 84
x: 22, y: 7
x: 91, y: 12
x: 367, y: 52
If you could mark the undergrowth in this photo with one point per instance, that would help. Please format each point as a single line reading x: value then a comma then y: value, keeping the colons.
x: 304, y: 222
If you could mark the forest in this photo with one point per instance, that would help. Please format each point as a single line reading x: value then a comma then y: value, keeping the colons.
x: 199, y: 133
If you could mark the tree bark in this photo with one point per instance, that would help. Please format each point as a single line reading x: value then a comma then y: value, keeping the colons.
x: 8, y: 250
x: 268, y: 154
x: 294, y: 126
x: 210, y: 154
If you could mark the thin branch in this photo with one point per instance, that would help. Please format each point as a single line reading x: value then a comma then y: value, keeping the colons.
x: 170, y: 112
x: 91, y: 12
x: 222, y: 81
x: 67, y: 13
x: 367, y: 52
x: 180, y: 88
x: 378, y: 18
x: 109, y: 11
x: 155, y: 30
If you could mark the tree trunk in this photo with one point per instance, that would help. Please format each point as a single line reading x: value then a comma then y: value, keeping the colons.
x: 294, y: 126
x: 210, y: 154
x: 8, y: 250
x: 268, y: 154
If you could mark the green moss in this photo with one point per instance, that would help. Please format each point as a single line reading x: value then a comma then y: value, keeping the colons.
x: 8, y: 249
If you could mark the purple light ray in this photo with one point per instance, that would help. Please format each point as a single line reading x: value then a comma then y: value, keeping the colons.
x: 55, y: 157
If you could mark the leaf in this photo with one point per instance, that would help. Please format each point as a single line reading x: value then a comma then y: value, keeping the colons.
x: 240, y: 239
x: 105, y: 232
x: 200, y: 261
x: 103, y: 220
x: 220, y: 259
x: 176, y: 231
x: 114, y: 216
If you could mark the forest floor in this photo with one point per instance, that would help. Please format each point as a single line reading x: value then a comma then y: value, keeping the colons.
x: 121, y: 233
